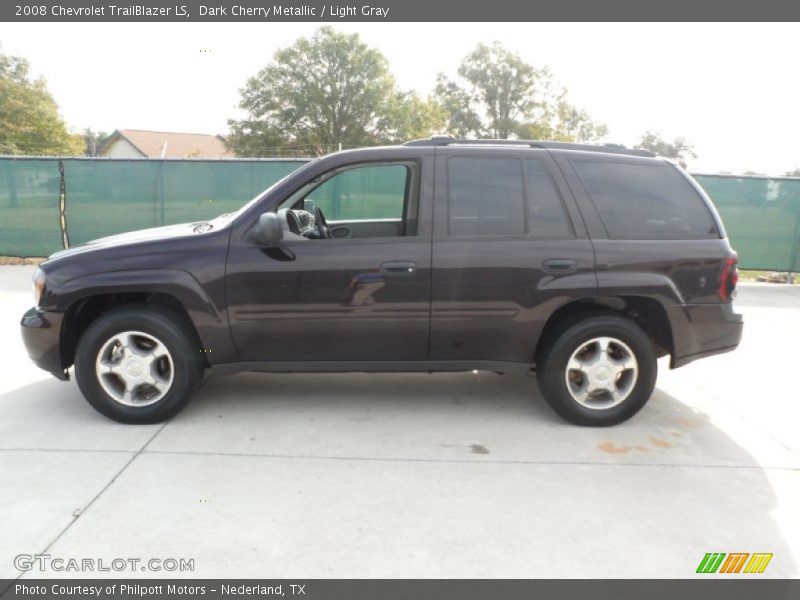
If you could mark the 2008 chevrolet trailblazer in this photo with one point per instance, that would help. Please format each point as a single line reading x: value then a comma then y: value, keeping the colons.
x: 583, y: 263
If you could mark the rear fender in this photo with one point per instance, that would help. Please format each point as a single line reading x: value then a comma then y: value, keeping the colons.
x: 637, y: 283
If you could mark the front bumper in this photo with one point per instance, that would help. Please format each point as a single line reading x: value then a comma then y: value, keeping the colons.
x: 41, y: 333
x: 700, y: 330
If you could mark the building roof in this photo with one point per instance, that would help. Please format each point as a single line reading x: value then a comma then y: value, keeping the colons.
x: 178, y: 145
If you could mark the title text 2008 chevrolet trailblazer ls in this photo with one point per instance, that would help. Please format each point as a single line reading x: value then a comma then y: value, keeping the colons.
x: 583, y: 263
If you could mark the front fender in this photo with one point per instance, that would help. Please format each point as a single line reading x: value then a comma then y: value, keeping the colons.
x: 208, y: 319
x: 176, y: 282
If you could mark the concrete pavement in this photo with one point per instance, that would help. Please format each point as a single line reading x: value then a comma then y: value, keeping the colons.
x: 447, y: 475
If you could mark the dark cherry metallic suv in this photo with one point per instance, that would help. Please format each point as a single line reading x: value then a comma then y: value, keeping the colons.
x: 583, y: 263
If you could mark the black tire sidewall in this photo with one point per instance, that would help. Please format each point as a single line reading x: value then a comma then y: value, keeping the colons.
x: 161, y: 325
x: 552, y: 377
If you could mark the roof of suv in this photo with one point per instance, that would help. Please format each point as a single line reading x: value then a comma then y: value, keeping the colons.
x: 604, y: 148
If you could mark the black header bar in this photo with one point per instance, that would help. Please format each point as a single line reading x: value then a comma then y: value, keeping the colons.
x: 266, y: 11
x: 709, y: 588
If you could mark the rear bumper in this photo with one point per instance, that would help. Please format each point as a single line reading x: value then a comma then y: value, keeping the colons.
x: 41, y: 333
x: 700, y: 330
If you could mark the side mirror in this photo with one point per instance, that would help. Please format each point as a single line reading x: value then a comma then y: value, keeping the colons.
x: 268, y: 230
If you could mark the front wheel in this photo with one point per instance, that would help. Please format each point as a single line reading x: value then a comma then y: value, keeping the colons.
x: 599, y: 371
x: 137, y: 365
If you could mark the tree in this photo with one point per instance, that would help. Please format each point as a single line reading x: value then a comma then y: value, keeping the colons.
x: 325, y: 91
x: 253, y: 137
x: 92, y: 141
x: 411, y: 117
x: 793, y: 173
x: 499, y: 95
x: 679, y: 149
x: 29, y: 119
x: 565, y: 124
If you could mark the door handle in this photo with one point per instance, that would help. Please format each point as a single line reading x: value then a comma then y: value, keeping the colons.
x: 340, y: 231
x: 399, y: 268
x: 560, y: 265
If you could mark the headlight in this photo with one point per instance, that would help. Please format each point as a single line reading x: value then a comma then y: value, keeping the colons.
x: 38, y: 286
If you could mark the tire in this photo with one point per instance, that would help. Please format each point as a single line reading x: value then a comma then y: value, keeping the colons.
x: 587, y: 376
x: 138, y: 364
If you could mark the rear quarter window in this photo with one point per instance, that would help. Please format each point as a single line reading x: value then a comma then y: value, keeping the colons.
x: 645, y: 201
x: 546, y: 216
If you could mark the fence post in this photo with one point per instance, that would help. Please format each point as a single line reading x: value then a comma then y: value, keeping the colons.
x: 62, y: 205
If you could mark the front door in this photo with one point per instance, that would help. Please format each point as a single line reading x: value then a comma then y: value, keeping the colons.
x: 362, y: 295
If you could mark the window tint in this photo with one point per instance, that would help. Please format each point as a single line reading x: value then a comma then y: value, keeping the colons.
x: 485, y: 196
x: 546, y: 216
x: 645, y: 201
x: 369, y: 192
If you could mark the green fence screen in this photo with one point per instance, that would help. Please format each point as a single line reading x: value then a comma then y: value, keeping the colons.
x: 29, y: 207
x: 108, y: 196
x: 761, y: 216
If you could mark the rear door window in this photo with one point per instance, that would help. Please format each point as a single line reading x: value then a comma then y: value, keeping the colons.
x: 485, y: 196
x: 645, y: 201
x: 504, y: 196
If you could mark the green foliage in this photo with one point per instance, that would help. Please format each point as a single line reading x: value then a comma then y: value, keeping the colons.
x: 411, y: 117
x: 92, y: 140
x: 494, y: 82
x: 498, y: 95
x: 325, y: 91
x: 564, y: 124
x: 678, y: 149
x: 29, y: 119
x: 254, y: 138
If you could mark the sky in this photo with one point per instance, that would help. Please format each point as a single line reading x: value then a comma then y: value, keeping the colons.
x: 731, y: 89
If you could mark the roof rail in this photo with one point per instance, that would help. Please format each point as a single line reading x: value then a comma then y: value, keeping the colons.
x: 441, y: 140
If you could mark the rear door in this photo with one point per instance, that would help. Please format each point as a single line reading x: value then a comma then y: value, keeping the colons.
x: 509, y: 247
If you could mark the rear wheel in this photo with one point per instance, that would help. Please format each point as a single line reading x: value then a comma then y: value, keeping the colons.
x: 137, y: 364
x: 599, y: 371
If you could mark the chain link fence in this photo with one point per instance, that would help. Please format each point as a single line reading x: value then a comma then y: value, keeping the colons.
x: 47, y: 203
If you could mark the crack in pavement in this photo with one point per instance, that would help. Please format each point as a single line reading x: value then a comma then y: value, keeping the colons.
x: 396, y: 459
x: 94, y: 499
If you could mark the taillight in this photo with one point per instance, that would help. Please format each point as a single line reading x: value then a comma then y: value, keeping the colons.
x: 729, y: 277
